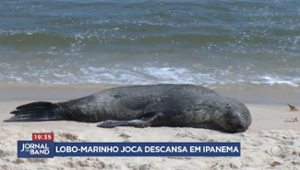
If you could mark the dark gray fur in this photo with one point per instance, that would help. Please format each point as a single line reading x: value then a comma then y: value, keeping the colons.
x: 146, y: 105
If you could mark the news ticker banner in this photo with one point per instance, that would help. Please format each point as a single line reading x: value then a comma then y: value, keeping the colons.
x: 43, y: 146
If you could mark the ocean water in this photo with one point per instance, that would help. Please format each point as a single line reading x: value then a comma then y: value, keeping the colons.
x: 210, y: 43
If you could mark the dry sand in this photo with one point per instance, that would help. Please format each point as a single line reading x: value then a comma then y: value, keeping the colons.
x: 268, y: 129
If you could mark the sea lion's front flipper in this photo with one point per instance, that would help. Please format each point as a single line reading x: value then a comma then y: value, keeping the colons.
x: 113, y: 123
x: 146, y: 121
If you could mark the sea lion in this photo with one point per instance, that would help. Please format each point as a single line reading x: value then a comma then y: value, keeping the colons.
x: 175, y: 105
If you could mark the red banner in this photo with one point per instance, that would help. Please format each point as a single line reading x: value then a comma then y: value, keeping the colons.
x: 42, y: 137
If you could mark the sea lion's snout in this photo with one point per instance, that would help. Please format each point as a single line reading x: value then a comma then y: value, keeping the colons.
x: 237, y: 116
x: 240, y: 125
x: 234, y: 122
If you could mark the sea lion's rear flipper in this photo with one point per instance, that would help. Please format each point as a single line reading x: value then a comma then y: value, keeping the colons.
x: 36, y: 111
x: 146, y: 121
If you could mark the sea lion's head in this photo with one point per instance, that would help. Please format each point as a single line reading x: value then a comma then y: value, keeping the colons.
x: 234, y: 116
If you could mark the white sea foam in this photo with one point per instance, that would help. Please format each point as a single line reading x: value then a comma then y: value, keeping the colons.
x: 120, y: 74
x: 279, y: 80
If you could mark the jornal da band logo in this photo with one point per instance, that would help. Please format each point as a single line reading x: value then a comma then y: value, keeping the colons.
x: 36, y: 149
x: 41, y: 146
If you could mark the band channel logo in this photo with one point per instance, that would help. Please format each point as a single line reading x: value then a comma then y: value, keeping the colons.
x: 41, y: 146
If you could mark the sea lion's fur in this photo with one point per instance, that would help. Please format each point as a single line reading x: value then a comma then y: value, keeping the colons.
x: 146, y: 105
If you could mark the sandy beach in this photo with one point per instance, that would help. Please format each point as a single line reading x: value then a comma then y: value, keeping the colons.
x: 269, y: 128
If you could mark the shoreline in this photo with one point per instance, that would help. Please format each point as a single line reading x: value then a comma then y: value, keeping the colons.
x: 276, y: 94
